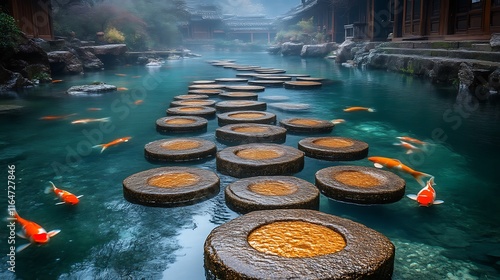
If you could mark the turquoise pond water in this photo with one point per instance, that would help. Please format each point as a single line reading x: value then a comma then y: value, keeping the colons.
x: 106, y: 237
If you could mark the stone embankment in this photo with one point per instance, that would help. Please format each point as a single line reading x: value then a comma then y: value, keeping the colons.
x: 474, y: 66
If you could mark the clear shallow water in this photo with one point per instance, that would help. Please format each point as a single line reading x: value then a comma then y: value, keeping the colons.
x: 105, y: 237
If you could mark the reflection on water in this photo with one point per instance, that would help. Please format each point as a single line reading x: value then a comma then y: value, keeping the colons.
x: 106, y: 237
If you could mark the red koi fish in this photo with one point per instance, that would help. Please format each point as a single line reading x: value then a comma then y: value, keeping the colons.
x: 52, y: 118
x: 56, y: 81
x: 412, y: 140
x: 138, y: 102
x: 65, y: 196
x: 121, y: 89
x: 390, y: 163
x: 409, y: 147
x: 426, y: 196
x: 33, y: 232
x: 94, y: 109
x: 113, y: 143
x: 357, y: 108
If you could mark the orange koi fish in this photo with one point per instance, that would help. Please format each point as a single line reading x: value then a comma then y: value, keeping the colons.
x: 52, y: 118
x: 65, y: 196
x: 409, y: 147
x: 354, y: 109
x: 412, y: 140
x: 122, y: 89
x: 85, y: 121
x: 426, y: 196
x: 390, y: 163
x: 56, y: 81
x: 112, y: 143
x: 94, y: 109
x: 121, y: 75
x: 33, y: 232
x: 338, y: 121
x: 137, y: 102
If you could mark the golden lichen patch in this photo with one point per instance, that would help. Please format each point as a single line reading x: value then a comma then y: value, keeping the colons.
x: 305, y: 122
x: 357, y: 179
x: 259, y: 153
x: 190, y: 109
x: 296, y: 239
x: 333, y: 142
x: 174, y: 180
x: 180, y: 145
x: 239, y: 94
x: 238, y: 102
x: 246, y: 115
x: 273, y: 188
x: 250, y: 129
x: 180, y: 121
x: 195, y: 102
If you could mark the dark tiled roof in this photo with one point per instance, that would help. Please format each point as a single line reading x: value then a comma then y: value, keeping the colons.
x: 299, y: 10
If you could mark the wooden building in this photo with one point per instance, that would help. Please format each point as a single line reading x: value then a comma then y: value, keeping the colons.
x: 250, y: 29
x: 374, y: 20
x: 34, y: 17
x: 446, y: 19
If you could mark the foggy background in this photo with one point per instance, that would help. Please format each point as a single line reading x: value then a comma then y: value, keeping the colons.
x: 271, y: 8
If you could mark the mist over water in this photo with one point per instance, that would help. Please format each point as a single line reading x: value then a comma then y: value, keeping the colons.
x: 106, y: 237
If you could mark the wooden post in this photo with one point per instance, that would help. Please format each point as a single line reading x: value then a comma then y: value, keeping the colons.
x: 487, y: 17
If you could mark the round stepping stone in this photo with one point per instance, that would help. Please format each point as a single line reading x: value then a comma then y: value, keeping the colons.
x: 241, y: 95
x: 208, y: 86
x: 302, y: 85
x: 307, y: 125
x: 259, y: 160
x: 191, y: 102
x: 171, y: 186
x: 181, y: 124
x: 251, y: 133
x: 231, y: 80
x: 290, y: 106
x: 191, y: 96
x: 309, y: 79
x: 267, y: 83
x: 203, y: 82
x: 297, y: 243
x: 209, y: 92
x: 246, y: 117
x: 179, y: 149
x: 271, y: 192
x: 199, y: 111
x: 240, y: 105
x: 361, y: 185
x: 274, y: 78
x: 333, y: 148
x: 270, y: 71
x: 245, y: 88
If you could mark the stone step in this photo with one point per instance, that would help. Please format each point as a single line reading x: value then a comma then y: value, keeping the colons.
x: 454, y: 45
x: 478, y: 65
x: 445, y: 53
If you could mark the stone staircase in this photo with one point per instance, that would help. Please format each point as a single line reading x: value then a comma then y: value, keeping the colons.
x: 440, y: 61
x: 478, y: 53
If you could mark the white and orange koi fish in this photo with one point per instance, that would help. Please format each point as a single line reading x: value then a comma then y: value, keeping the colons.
x: 412, y: 140
x: 113, y: 143
x: 85, y: 121
x: 357, y: 108
x: 338, y: 121
x: 390, y: 163
x: 65, y: 196
x: 409, y: 147
x: 426, y: 196
x: 33, y: 232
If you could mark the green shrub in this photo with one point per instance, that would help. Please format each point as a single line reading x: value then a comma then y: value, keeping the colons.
x: 113, y: 35
x: 10, y: 34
